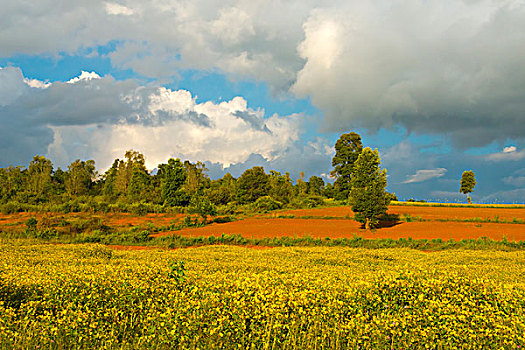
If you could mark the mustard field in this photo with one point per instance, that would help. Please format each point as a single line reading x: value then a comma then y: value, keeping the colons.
x: 227, y: 297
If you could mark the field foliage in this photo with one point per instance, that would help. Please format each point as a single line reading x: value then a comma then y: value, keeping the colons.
x: 90, y: 296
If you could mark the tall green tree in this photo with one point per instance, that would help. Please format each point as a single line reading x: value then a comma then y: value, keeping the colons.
x: 12, y: 182
x: 196, y: 178
x: 173, y: 177
x: 468, y: 182
x: 301, y: 187
x: 252, y: 184
x: 281, y: 187
x: 40, y: 170
x: 109, y: 179
x: 139, y: 185
x: 134, y: 162
x: 79, y: 177
x: 315, y: 185
x: 222, y: 191
x: 368, y: 196
x: 347, y: 149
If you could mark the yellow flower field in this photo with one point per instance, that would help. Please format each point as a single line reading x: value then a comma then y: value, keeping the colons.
x: 89, y: 296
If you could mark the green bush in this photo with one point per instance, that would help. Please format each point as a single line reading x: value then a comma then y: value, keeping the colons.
x: 267, y: 203
x: 139, y: 209
x: 11, y: 208
x: 311, y: 201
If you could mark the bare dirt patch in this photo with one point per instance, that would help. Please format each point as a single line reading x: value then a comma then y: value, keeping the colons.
x: 427, y: 213
x: 318, y: 228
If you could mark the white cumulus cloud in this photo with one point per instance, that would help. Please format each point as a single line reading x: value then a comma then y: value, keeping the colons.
x: 100, y: 118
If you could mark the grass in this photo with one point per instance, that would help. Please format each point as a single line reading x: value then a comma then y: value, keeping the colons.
x: 138, y: 237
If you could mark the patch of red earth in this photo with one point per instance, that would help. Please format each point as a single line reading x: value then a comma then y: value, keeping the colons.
x: 128, y: 220
x: 318, y: 228
x: 444, y: 213
x: 428, y: 213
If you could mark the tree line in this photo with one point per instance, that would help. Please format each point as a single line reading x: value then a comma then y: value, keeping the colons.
x: 183, y: 185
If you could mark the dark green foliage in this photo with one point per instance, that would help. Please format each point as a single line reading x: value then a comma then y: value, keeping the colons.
x: 40, y: 183
x: 139, y: 209
x: 12, y: 182
x: 281, y: 187
x: 310, y: 201
x: 222, y: 191
x: 203, y: 207
x: 127, y: 186
x: 79, y: 177
x: 173, y: 177
x: 267, y: 203
x: 252, y: 184
x: 347, y: 150
x: 316, y: 185
x: 31, y: 224
x: 138, y: 184
x: 11, y: 208
x: 196, y: 179
x: 368, y: 197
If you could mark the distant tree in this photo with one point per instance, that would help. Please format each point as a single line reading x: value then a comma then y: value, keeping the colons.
x: 301, y: 187
x: 79, y: 177
x: 328, y: 191
x: 196, y: 178
x: 468, y: 182
x: 315, y: 185
x: 368, y: 197
x: 222, y: 191
x: 347, y: 150
x: 281, y: 187
x: 12, y: 182
x: 252, y: 184
x: 58, y: 179
x: 40, y: 170
x: 134, y: 161
x: 109, y: 179
x: 203, y: 207
x: 138, y: 188
x: 173, y: 177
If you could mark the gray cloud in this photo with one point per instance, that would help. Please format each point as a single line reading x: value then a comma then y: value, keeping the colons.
x: 156, y: 38
x: 517, y: 178
x: 254, y: 119
x: 447, y: 67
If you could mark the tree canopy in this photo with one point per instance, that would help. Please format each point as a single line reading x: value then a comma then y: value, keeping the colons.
x: 347, y: 150
x: 368, y: 196
x: 468, y: 182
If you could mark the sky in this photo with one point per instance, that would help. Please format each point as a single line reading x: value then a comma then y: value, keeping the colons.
x: 437, y: 86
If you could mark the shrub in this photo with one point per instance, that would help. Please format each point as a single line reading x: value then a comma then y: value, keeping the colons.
x: 139, y: 209
x: 267, y: 203
x: 11, y: 208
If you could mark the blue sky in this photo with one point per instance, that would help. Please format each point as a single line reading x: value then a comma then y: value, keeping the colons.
x: 436, y: 86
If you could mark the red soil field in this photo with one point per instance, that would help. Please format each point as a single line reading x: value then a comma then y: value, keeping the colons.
x: 318, y: 228
x: 115, y: 220
x: 271, y: 226
x: 430, y: 213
